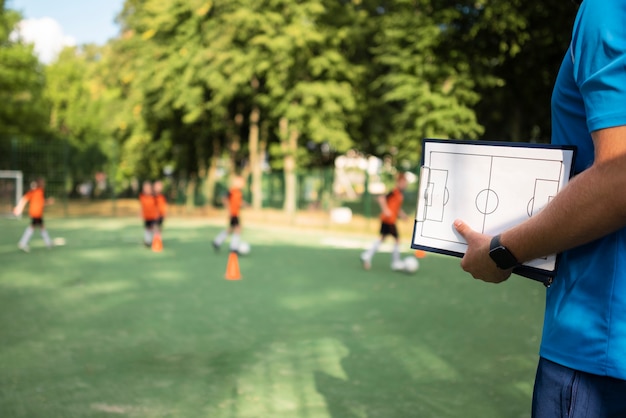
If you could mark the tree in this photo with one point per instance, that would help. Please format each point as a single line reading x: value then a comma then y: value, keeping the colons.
x: 311, y: 82
x: 75, y: 95
x: 22, y: 110
x: 188, y: 83
x: 429, y: 96
x: 518, y: 107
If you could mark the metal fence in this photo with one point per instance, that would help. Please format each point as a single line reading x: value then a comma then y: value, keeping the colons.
x: 56, y: 160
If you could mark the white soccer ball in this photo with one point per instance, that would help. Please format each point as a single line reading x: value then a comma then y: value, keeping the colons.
x: 244, y: 248
x: 411, y: 265
x: 397, y: 265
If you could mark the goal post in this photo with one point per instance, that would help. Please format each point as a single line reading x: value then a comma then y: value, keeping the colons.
x: 11, y: 189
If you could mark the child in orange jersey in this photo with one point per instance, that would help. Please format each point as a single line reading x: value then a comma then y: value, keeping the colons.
x: 233, y: 201
x: 161, y: 203
x: 149, y: 212
x: 391, y: 208
x: 36, y: 200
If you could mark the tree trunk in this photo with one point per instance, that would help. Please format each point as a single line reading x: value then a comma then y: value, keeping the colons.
x: 516, y: 123
x: 235, y: 142
x: 264, y: 137
x: 190, y: 193
x: 201, y: 161
x: 289, y: 144
x: 255, y: 159
x: 211, y: 178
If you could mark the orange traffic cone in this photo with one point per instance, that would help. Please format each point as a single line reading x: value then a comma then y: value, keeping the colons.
x: 232, y: 268
x: 157, y: 244
x: 420, y: 253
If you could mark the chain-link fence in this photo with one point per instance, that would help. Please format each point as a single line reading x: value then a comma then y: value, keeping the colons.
x: 73, y: 178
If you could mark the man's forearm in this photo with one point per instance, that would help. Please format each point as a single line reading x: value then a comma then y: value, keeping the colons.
x: 592, y: 205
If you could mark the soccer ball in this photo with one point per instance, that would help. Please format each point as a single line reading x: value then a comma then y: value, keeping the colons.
x: 244, y: 248
x: 397, y: 265
x: 411, y: 264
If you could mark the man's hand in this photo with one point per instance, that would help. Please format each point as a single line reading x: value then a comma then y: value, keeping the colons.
x: 476, y: 260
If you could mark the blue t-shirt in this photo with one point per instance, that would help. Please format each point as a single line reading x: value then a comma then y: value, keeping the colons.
x: 585, y: 319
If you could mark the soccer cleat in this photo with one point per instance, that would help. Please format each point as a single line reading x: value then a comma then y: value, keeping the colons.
x: 24, y: 248
x: 366, y: 263
x: 216, y: 246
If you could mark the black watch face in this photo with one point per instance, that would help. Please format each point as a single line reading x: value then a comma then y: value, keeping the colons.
x: 503, y: 258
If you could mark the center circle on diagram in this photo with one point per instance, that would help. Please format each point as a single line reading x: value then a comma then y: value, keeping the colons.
x: 487, y: 201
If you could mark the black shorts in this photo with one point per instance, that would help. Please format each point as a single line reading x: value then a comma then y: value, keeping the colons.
x: 36, y: 221
x: 160, y: 221
x: 234, y: 221
x: 388, y: 229
x: 150, y: 224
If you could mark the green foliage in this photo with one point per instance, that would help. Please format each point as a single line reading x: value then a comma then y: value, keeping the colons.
x: 179, y: 85
x: 518, y: 108
x: 430, y: 97
x: 78, y: 113
x: 22, y: 110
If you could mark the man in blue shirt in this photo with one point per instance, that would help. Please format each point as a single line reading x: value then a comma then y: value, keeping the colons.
x: 582, y: 366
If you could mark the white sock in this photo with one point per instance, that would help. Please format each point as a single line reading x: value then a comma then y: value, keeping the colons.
x: 46, y: 237
x: 147, y: 237
x: 26, y: 236
x: 221, y: 237
x: 367, y: 255
x: 234, y: 242
x: 395, y: 255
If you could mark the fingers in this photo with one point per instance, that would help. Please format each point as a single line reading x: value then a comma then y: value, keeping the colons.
x: 463, y: 229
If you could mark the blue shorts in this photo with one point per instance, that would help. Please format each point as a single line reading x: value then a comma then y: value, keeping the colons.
x: 561, y: 392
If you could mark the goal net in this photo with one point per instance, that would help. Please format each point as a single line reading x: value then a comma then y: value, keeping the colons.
x: 11, y: 190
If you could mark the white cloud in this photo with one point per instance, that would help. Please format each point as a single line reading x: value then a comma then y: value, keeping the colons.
x: 47, y: 36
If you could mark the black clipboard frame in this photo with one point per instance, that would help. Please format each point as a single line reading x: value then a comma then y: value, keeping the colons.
x: 544, y: 276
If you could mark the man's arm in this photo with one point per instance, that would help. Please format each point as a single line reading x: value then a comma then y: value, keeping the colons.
x: 592, y: 205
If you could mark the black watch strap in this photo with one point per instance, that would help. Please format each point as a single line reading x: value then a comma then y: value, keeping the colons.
x: 501, y: 255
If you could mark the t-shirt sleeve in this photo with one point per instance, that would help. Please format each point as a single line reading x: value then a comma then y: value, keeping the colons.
x: 599, y: 57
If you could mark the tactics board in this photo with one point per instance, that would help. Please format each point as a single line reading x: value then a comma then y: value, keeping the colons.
x: 491, y: 186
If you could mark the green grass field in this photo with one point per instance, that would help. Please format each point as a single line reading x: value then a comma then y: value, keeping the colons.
x: 103, y: 327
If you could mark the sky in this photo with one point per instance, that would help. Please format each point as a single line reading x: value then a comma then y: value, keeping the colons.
x: 52, y: 24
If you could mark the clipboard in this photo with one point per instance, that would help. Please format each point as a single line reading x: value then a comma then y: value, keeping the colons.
x: 492, y: 186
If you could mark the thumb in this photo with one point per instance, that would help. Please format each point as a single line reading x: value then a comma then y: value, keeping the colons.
x: 463, y: 228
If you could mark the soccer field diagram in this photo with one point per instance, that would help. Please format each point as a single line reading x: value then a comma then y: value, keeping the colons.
x: 491, y: 188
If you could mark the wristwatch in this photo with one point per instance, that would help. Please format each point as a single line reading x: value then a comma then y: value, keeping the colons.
x: 503, y: 258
